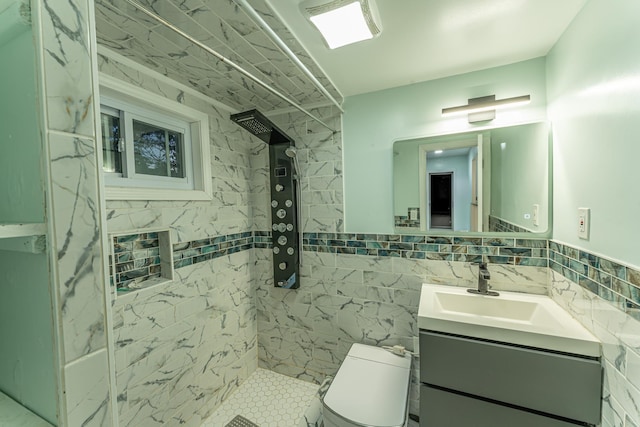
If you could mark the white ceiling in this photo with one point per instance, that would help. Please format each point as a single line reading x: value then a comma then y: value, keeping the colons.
x: 428, y: 39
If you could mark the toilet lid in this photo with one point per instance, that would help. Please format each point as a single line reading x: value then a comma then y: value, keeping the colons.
x: 371, y: 392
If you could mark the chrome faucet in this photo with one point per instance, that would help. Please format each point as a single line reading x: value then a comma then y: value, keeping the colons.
x: 483, y: 281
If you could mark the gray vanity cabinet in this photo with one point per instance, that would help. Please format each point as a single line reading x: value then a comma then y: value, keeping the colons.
x: 471, y: 382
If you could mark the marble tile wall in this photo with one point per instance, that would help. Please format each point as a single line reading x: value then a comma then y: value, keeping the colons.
x: 182, y: 349
x: 604, y: 296
x: 64, y: 50
x: 183, y: 346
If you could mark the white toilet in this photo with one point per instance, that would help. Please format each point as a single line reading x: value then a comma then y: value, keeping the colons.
x: 370, y: 389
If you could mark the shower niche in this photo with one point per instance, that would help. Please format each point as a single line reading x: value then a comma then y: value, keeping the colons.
x: 285, y: 192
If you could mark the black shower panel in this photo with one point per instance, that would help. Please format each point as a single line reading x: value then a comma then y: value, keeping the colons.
x: 284, y: 219
x: 284, y: 206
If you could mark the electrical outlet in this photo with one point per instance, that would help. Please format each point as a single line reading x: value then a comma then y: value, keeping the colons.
x: 583, y: 223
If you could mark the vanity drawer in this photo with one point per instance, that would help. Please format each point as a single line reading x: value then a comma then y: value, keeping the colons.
x: 553, y: 383
x: 439, y: 408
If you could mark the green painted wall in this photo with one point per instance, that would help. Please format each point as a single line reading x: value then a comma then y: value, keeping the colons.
x: 27, y: 362
x: 520, y: 174
x: 21, y: 191
x: 373, y: 121
x: 26, y: 353
x: 593, y: 76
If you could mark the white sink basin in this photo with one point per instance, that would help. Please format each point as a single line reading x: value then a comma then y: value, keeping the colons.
x: 523, y: 319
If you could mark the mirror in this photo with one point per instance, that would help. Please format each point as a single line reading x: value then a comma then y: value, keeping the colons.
x: 495, y: 180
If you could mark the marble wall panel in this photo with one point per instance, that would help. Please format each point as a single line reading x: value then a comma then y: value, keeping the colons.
x: 67, y: 66
x: 183, y: 346
x: 78, y: 246
x: 87, y: 385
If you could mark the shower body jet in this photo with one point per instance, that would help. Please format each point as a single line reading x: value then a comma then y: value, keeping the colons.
x: 285, y: 206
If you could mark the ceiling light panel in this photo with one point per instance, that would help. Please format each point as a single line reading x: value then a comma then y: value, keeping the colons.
x: 342, y: 22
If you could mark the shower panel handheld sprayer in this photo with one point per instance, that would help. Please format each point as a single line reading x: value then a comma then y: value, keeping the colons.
x: 285, y: 188
x: 292, y: 153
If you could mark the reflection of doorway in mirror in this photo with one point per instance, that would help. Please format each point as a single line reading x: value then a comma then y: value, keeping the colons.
x: 441, y: 200
x: 438, y: 159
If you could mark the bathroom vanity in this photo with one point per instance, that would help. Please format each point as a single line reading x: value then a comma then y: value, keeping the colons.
x: 508, y: 360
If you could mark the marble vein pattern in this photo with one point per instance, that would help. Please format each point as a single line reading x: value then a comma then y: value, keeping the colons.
x: 78, y: 249
x: 184, y: 346
x: 67, y: 66
x: 180, y: 351
x: 223, y: 27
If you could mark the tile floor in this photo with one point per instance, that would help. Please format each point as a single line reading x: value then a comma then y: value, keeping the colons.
x: 268, y: 399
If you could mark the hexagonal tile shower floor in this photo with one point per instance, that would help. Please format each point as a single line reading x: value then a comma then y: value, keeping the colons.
x: 267, y: 399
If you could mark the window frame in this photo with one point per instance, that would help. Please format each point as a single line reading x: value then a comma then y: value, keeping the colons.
x: 136, y: 103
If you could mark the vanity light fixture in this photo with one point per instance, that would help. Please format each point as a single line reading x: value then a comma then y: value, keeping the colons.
x: 484, y: 108
x: 342, y: 22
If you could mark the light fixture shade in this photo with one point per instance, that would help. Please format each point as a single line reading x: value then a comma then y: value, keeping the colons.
x: 486, y: 103
x: 343, y: 22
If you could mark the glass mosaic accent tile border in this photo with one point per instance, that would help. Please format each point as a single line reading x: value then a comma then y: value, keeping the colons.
x: 499, y: 225
x: 512, y: 251
x: 189, y: 253
x: 406, y: 221
x: 136, y: 258
x: 614, y: 282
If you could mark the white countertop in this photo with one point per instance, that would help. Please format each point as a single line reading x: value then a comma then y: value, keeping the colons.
x: 517, y: 318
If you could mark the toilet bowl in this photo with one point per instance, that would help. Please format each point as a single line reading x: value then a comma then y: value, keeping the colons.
x: 370, y: 389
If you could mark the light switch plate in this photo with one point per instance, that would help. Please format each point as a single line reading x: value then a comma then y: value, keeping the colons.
x: 583, y: 223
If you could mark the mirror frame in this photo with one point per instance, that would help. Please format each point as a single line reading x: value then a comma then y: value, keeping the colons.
x: 489, y: 234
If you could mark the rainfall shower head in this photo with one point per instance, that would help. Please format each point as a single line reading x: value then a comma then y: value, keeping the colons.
x: 256, y: 123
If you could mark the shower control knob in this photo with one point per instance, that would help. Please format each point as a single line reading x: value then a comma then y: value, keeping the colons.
x: 282, y: 227
x: 282, y: 266
x: 289, y: 227
x: 279, y: 187
x: 282, y: 240
x: 276, y: 250
x: 281, y: 213
x: 288, y: 203
x: 274, y: 203
x: 290, y: 251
